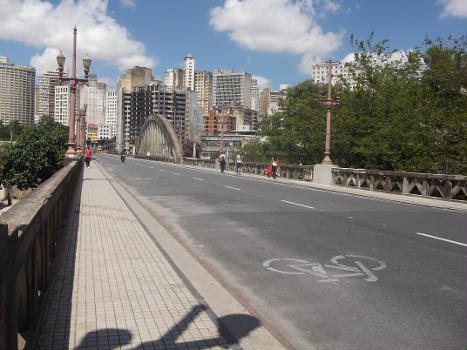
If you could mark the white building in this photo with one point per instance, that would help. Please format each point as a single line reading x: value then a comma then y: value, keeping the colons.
x: 203, y: 86
x: 46, y: 92
x: 62, y: 104
x: 229, y: 86
x: 111, y: 111
x: 254, y: 105
x: 320, y: 72
x: 173, y: 78
x: 104, y: 131
x: 93, y: 95
x: 189, y: 68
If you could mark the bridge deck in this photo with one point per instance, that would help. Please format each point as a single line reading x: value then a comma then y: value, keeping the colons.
x: 113, y: 286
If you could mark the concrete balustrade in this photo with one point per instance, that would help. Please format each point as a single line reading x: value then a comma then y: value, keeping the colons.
x: 423, y: 184
x: 28, y: 235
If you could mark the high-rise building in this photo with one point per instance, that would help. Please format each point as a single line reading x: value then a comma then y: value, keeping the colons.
x: 46, y: 92
x: 203, y: 86
x: 189, y: 68
x: 62, y: 104
x: 155, y: 98
x: 17, y: 89
x: 254, y: 105
x: 111, y: 111
x: 270, y: 101
x: 173, y: 78
x: 131, y: 78
x: 229, y: 86
x: 93, y: 95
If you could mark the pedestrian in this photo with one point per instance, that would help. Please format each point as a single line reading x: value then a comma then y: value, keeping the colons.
x: 238, y: 163
x: 274, y: 165
x: 87, y: 156
x: 148, y: 155
x: 222, y: 158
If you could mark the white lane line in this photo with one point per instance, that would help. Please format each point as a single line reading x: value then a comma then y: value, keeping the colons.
x: 197, y: 178
x: 151, y: 167
x: 441, y: 239
x: 233, y: 188
x: 298, y: 204
x: 176, y: 174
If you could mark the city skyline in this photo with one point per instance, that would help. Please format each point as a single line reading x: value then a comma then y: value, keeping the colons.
x: 276, y: 41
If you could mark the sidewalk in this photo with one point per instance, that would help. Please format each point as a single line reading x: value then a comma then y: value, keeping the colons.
x: 122, y: 282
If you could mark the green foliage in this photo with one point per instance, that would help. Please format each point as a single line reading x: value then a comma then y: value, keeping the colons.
x: 37, y: 153
x: 405, y: 114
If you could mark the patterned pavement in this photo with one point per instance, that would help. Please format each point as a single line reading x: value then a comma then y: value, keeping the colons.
x: 114, y: 289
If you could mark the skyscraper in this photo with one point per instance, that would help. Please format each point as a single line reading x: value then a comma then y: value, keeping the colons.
x: 17, y: 89
x: 111, y: 111
x: 46, y: 92
x: 229, y: 86
x: 189, y: 68
x: 203, y: 86
x: 131, y: 78
x: 173, y: 78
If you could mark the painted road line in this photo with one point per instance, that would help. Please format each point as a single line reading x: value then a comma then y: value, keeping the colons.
x: 233, y: 188
x: 441, y: 239
x: 176, y: 174
x: 197, y: 178
x: 298, y: 204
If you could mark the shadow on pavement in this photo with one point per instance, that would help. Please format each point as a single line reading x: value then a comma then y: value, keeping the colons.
x: 231, y: 329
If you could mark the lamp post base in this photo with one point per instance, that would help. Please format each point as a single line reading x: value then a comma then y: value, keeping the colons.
x: 327, y: 160
x: 322, y: 173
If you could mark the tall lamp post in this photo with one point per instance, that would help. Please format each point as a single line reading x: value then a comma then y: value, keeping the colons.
x: 329, y: 102
x: 73, y: 83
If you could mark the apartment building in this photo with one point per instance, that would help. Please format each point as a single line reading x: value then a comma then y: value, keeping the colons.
x: 189, y: 70
x: 129, y: 79
x: 17, y: 92
x: 46, y: 93
x: 155, y: 98
x: 111, y: 111
x: 230, y: 86
x: 270, y: 101
x: 173, y: 78
x: 320, y: 72
x: 254, y: 105
x: 203, y: 86
x: 62, y: 104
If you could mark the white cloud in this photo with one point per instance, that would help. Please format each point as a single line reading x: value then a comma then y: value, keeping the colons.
x: 262, y: 82
x: 42, y: 25
x: 128, y: 3
x: 278, y: 26
x: 454, y: 8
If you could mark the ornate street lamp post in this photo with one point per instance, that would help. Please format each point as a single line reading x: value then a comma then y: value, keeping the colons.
x: 73, y: 83
x: 329, y: 102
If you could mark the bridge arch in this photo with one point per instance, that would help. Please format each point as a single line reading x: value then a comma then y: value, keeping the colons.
x: 158, y: 137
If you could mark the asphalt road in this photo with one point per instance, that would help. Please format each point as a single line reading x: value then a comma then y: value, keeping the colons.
x: 327, y: 270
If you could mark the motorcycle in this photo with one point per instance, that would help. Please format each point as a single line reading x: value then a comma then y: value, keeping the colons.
x: 122, y: 158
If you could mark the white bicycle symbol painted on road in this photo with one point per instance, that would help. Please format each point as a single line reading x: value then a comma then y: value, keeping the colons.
x: 303, y: 267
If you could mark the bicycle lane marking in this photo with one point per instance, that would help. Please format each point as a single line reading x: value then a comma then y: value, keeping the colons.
x: 304, y: 267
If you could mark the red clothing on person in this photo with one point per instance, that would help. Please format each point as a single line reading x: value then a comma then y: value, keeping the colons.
x: 87, y: 153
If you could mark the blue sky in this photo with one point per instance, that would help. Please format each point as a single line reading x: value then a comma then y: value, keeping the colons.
x: 275, y: 40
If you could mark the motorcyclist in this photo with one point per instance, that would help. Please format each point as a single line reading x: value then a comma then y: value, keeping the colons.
x: 122, y: 156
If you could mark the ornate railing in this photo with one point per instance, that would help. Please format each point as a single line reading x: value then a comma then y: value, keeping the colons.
x: 28, y: 235
x: 298, y: 172
x: 423, y: 184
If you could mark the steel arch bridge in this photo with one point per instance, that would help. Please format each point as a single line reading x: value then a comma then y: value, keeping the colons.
x: 158, y: 137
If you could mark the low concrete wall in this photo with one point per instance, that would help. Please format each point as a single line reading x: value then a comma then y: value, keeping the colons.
x: 28, y: 236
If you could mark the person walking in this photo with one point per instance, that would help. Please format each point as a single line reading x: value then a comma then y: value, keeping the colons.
x: 148, y: 155
x: 238, y: 163
x: 274, y: 165
x: 87, y: 156
x: 222, y: 158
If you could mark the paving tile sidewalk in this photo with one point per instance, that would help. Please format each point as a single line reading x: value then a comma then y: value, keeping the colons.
x: 113, y: 288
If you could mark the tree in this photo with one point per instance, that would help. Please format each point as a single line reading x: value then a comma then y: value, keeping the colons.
x: 188, y: 148
x: 35, y: 156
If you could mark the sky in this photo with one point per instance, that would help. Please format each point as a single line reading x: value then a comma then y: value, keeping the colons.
x: 276, y: 41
